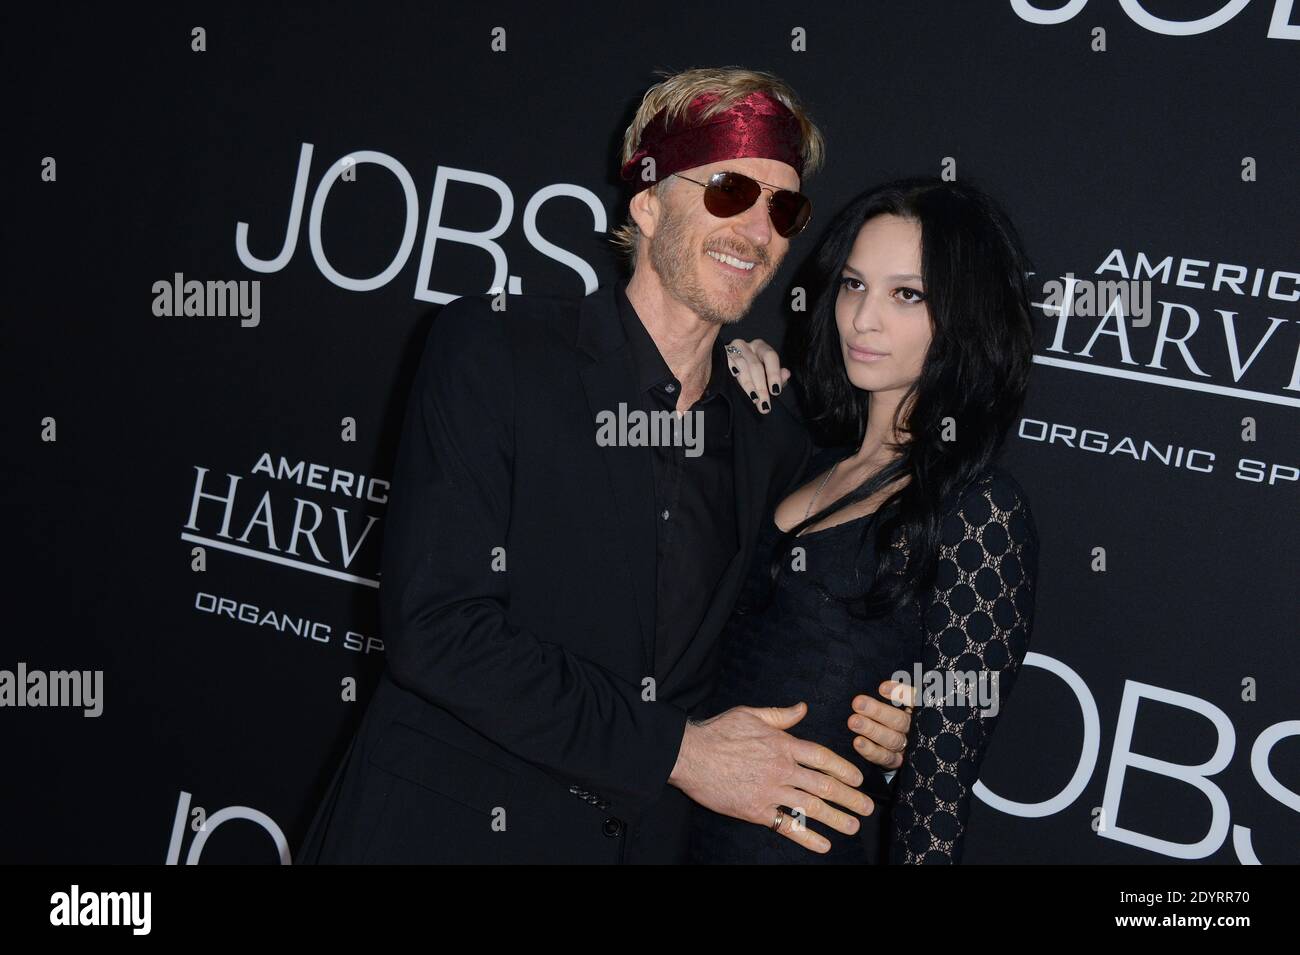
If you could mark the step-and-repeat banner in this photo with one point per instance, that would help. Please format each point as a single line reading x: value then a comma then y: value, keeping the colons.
x: 229, y: 228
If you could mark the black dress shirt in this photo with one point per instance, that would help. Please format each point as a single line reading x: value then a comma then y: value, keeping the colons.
x: 695, y: 502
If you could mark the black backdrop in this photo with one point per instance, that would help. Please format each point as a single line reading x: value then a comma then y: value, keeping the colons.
x: 1181, y: 652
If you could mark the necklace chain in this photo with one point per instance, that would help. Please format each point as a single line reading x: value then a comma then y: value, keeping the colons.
x: 817, y: 493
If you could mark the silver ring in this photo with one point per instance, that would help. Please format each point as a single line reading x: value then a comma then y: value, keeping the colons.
x: 780, y: 818
x: 732, y: 350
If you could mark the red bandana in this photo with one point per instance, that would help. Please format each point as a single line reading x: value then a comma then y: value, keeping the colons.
x: 758, y: 126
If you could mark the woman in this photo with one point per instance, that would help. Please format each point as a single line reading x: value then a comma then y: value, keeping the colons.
x: 906, y: 544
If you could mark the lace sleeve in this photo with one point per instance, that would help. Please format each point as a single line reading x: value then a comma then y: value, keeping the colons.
x: 976, y: 617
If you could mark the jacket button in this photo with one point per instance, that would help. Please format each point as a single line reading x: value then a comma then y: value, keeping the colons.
x: 612, y: 827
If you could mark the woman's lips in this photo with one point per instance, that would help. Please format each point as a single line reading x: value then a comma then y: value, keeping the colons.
x: 864, y: 354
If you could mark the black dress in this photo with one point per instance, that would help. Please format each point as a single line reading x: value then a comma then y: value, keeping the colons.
x: 807, y: 645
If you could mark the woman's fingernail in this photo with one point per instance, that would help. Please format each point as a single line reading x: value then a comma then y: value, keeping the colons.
x: 764, y: 406
x: 753, y: 395
x: 735, y: 371
x: 776, y: 389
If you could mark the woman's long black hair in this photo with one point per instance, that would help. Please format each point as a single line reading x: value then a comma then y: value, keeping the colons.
x: 975, y: 373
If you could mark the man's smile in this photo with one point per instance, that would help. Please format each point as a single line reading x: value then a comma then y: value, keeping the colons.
x: 730, y: 262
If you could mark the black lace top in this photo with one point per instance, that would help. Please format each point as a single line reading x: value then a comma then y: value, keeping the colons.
x: 806, y: 645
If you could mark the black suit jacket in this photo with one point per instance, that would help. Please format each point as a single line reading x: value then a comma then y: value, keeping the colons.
x: 513, y: 721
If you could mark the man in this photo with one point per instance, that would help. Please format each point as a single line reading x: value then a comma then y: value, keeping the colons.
x: 554, y: 586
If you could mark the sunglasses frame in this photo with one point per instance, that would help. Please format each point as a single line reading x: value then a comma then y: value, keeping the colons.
x: 769, y: 187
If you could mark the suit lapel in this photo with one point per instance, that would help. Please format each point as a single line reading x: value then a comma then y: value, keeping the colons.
x: 609, y: 380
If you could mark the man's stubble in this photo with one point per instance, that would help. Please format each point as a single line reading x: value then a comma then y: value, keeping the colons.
x: 673, y: 258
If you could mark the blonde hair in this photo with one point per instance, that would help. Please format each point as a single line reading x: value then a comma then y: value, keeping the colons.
x: 676, y: 92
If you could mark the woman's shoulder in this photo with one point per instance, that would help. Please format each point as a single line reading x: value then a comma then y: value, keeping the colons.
x: 994, y: 496
x: 999, y: 486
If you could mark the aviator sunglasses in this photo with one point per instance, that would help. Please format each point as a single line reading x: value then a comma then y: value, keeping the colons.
x: 728, y: 194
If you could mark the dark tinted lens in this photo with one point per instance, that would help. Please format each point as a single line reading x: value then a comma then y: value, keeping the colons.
x: 729, y: 194
x: 790, y: 212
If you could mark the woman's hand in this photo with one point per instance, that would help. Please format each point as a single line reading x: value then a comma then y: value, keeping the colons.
x: 880, y: 728
x: 757, y: 369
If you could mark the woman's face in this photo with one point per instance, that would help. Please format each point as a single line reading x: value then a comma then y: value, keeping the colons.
x: 880, y: 309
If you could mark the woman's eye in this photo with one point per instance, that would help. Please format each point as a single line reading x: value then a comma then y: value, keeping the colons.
x: 910, y: 295
x: 846, y: 279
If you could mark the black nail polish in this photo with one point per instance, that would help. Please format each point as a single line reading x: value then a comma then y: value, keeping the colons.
x: 764, y: 406
x: 735, y: 371
x: 776, y: 389
x: 753, y: 395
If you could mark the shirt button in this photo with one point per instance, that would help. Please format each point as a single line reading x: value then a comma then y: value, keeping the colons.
x: 670, y: 388
x: 664, y: 515
x: 612, y: 827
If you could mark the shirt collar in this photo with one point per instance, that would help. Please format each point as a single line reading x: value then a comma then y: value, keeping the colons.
x: 651, y: 369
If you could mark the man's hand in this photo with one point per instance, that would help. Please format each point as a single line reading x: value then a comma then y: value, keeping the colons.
x: 881, y: 727
x: 757, y: 369
x: 743, y: 764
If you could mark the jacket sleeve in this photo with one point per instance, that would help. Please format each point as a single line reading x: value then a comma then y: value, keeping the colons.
x: 977, y: 619
x: 445, y: 611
